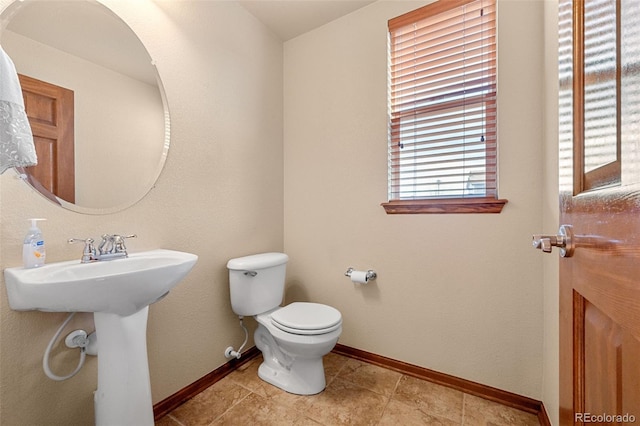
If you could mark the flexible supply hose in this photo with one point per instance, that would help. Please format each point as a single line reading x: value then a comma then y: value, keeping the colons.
x: 47, y: 352
x: 230, y: 353
x: 246, y: 337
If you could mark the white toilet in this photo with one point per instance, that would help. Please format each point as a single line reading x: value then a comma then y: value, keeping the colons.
x: 294, y: 338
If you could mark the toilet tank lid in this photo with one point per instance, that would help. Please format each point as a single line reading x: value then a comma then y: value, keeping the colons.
x: 257, y: 261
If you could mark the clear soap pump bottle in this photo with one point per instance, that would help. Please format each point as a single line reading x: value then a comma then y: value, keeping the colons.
x: 33, y: 251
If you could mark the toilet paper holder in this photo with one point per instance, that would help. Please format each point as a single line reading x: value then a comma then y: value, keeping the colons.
x: 371, y: 274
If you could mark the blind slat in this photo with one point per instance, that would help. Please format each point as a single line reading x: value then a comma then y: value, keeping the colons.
x: 465, y: 30
x: 440, y: 104
x: 442, y: 68
x: 429, y: 121
x: 443, y: 89
x: 420, y: 54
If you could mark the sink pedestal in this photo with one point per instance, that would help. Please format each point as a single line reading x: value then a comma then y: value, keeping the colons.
x: 124, y: 390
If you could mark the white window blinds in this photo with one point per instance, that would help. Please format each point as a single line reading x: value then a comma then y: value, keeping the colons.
x: 442, y: 95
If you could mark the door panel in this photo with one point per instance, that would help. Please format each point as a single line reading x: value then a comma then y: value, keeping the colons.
x: 602, y: 361
x: 611, y: 364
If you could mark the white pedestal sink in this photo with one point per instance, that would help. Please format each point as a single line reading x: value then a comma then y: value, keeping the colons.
x: 119, y: 293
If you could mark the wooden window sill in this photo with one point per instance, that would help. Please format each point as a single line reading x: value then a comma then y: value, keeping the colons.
x: 443, y: 206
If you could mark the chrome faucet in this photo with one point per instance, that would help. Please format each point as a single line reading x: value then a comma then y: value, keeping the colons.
x: 111, y: 247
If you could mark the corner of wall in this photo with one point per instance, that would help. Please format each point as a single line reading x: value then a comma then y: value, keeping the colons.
x: 550, y: 214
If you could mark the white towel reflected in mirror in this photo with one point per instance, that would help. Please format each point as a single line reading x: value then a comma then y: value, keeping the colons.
x: 16, y: 140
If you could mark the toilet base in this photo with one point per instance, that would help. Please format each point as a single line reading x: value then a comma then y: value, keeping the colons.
x: 304, y: 377
x: 293, y: 362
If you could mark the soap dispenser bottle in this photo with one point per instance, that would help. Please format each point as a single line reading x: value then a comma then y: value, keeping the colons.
x: 33, y: 251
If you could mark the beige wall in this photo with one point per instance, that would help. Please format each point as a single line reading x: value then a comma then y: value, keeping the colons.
x: 460, y: 294
x: 219, y: 196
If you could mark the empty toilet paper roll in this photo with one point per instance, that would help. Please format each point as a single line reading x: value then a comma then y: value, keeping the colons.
x: 359, y: 277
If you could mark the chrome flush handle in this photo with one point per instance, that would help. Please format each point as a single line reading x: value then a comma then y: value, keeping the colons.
x: 563, y: 240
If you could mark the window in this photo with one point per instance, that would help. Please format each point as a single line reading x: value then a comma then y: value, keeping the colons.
x: 598, y: 90
x: 442, y: 107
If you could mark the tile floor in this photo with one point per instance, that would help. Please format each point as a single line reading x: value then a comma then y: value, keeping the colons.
x: 357, y: 393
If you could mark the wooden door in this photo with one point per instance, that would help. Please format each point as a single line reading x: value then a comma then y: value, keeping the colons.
x: 600, y: 199
x: 50, y: 110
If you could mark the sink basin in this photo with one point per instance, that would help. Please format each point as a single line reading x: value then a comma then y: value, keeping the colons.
x: 120, y: 286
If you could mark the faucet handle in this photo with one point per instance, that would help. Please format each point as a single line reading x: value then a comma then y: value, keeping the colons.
x: 118, y: 242
x: 89, y: 252
x: 112, y: 244
x: 120, y: 238
x: 87, y: 241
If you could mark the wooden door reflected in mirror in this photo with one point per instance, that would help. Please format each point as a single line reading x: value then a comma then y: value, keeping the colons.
x: 50, y: 110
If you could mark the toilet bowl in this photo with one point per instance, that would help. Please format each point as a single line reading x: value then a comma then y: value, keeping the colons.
x: 293, y: 338
x: 293, y: 358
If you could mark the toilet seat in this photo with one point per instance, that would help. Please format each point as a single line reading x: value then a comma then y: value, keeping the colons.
x: 307, y: 318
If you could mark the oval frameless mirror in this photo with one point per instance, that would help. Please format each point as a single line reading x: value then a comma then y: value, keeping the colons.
x: 94, y: 100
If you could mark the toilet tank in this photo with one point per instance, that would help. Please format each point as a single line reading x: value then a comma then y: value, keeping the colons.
x: 256, y: 282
